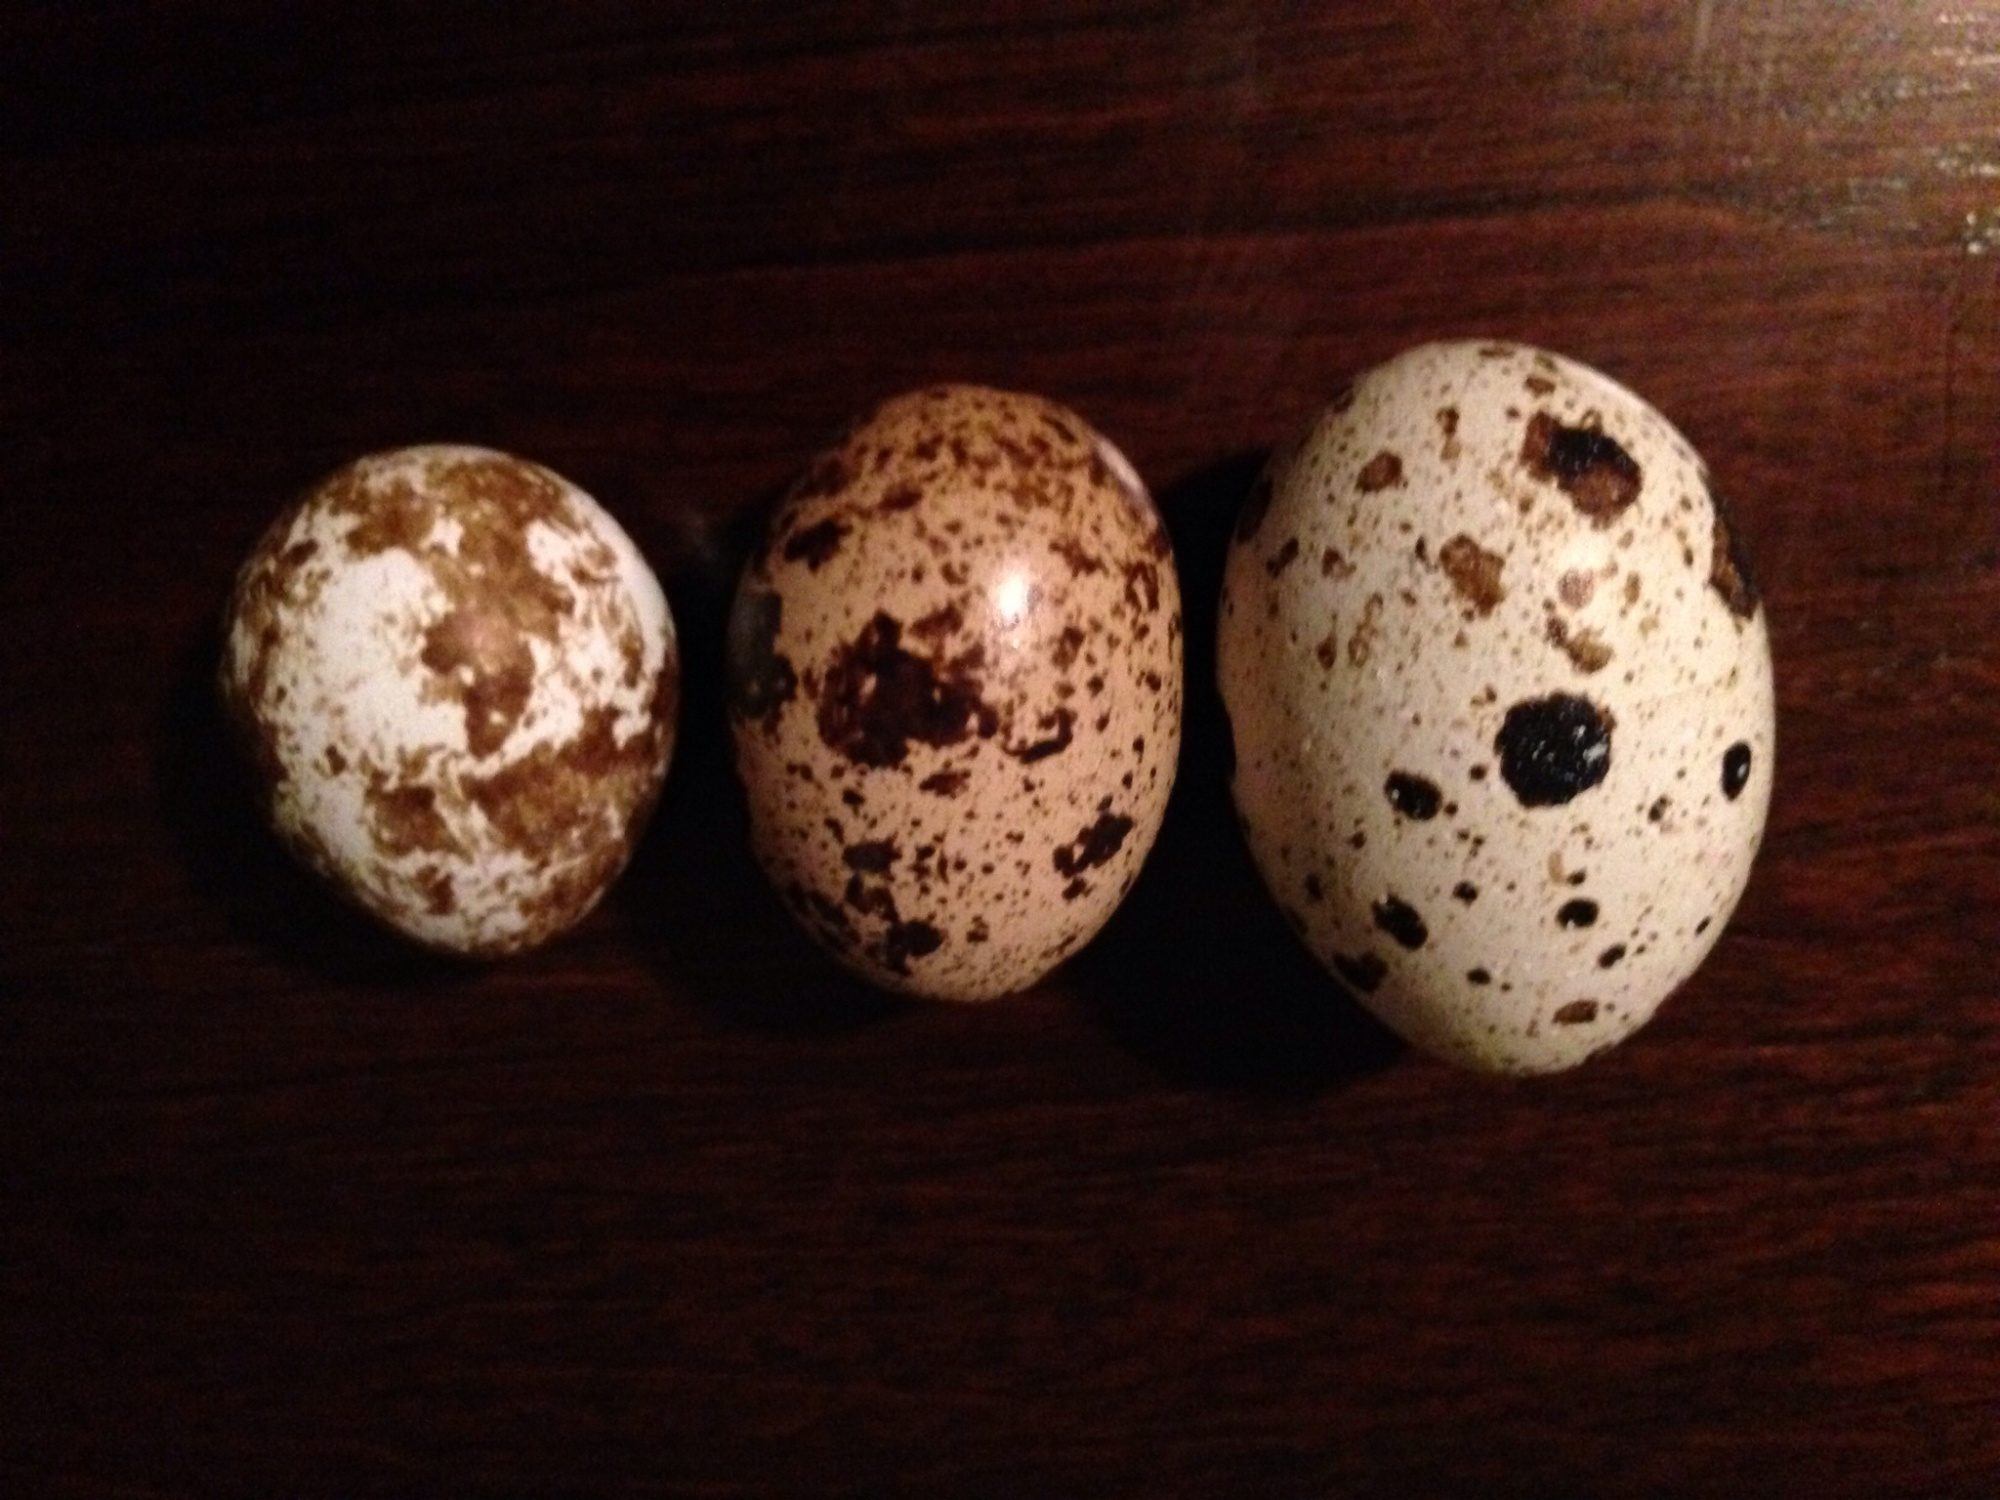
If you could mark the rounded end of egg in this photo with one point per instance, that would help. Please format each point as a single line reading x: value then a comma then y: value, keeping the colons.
x: 457, y: 683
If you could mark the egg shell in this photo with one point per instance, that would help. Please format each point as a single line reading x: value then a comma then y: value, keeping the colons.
x: 955, y: 690
x: 1499, y: 688
x: 457, y: 680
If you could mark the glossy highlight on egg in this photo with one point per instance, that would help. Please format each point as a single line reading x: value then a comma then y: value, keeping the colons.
x: 1499, y: 689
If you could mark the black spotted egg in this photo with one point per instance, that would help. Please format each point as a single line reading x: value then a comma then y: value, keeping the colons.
x: 1499, y: 688
x: 955, y: 691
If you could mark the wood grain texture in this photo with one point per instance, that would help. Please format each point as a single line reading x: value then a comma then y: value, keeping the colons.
x: 673, y: 1208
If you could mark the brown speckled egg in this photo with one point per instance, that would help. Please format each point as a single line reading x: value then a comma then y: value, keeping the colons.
x: 1500, y: 693
x: 955, y: 686
x: 457, y: 678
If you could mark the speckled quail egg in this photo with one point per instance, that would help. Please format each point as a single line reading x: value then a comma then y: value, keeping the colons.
x: 955, y: 689
x: 457, y: 679
x: 1500, y: 694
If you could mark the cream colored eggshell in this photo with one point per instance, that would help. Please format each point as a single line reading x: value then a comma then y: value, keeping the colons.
x: 458, y: 680
x: 1452, y: 539
x: 955, y: 674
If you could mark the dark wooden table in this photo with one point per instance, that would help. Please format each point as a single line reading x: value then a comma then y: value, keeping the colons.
x: 673, y: 1208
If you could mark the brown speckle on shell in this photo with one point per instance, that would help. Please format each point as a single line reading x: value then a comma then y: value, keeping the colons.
x: 1080, y: 561
x: 1585, y: 648
x: 1093, y: 845
x: 404, y: 818
x: 1363, y: 639
x: 876, y: 698
x: 1474, y: 573
x: 1599, y: 476
x: 870, y: 857
x: 1380, y: 472
x: 478, y: 657
x: 1058, y: 730
x: 907, y: 940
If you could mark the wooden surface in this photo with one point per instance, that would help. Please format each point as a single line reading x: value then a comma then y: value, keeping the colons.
x: 672, y: 1208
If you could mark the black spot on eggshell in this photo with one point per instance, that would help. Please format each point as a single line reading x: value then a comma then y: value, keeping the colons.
x: 1080, y: 562
x: 1601, y: 478
x: 876, y: 698
x: 1400, y: 920
x: 1553, y: 749
x: 1577, y: 1013
x: 1363, y: 972
x: 1415, y: 797
x: 1093, y: 845
x: 761, y: 681
x: 815, y: 544
x: 1610, y: 956
x: 947, y: 619
x: 1578, y: 913
x: 907, y: 940
x: 871, y: 857
x: 1735, y: 770
x: 1059, y: 729
x: 1728, y: 566
x: 1465, y: 891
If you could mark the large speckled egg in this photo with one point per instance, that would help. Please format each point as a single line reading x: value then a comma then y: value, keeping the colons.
x: 1500, y: 693
x: 955, y: 687
x: 457, y: 678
